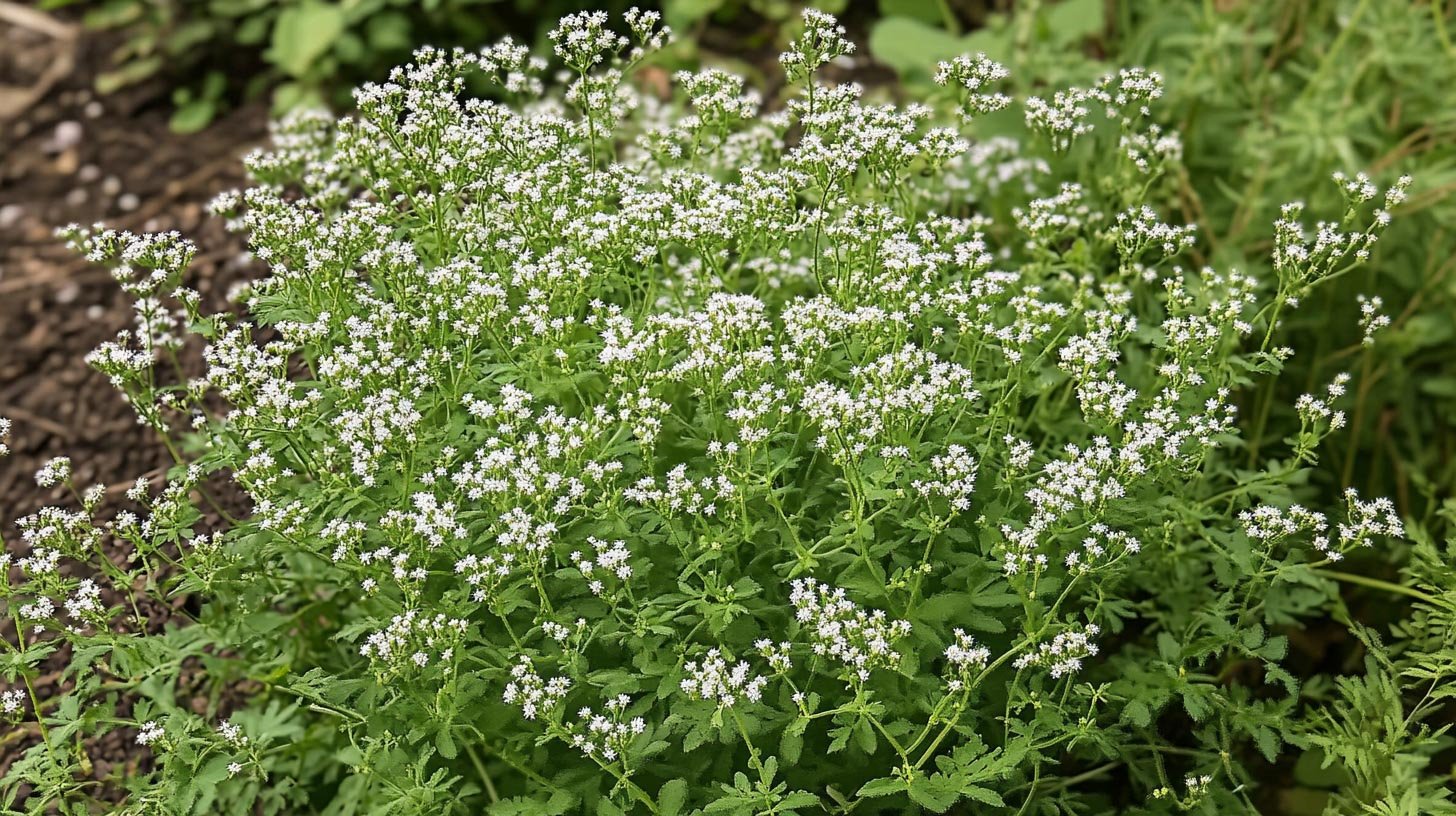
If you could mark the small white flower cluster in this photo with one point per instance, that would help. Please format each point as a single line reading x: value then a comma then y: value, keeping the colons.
x: 973, y: 74
x: 1365, y: 520
x: 432, y: 521
x: 53, y: 530
x: 534, y: 695
x: 55, y: 471
x: 779, y: 655
x: 821, y: 42
x: 1368, y: 519
x: 415, y: 640
x: 1197, y: 788
x: 1372, y: 320
x: 1064, y: 654
x: 583, y: 40
x: 150, y: 733
x: 1139, y: 229
x: 1356, y: 190
x: 233, y: 737
x: 718, y: 97
x: 1062, y: 120
x: 612, y: 558
x: 681, y: 495
x: 1045, y: 220
x: 1124, y: 95
x: 714, y: 680
x: 1313, y: 411
x: 1102, y: 545
x: 964, y: 659
x: 84, y: 604
x: 1152, y: 149
x: 608, y: 734
x: 232, y: 734
x: 1318, y: 418
x: 955, y: 477
x: 4, y: 436
x: 485, y: 574
x: 12, y: 704
x: 1302, y: 261
x: 895, y: 391
x: 1270, y: 524
x: 842, y: 631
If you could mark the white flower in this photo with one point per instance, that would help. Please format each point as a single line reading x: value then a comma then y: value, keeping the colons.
x: 714, y: 680
x: 53, y: 472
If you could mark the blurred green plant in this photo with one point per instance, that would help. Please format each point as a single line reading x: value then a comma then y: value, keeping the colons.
x: 1272, y: 95
x: 303, y: 51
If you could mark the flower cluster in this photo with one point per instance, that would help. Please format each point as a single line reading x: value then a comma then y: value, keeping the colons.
x: 1064, y: 654
x: 843, y: 632
x: 714, y: 680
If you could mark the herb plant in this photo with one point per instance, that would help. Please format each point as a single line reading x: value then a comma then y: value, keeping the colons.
x: 613, y: 454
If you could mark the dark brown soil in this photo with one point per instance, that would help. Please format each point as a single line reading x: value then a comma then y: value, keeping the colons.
x: 68, y: 155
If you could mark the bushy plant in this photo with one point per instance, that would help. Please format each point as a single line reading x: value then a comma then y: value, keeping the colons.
x: 1273, y: 97
x: 615, y: 454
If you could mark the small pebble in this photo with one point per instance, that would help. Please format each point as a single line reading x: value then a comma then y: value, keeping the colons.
x: 111, y: 186
x: 10, y: 215
x: 68, y: 293
x: 76, y: 197
x: 95, y: 311
x: 128, y: 202
x: 68, y: 134
x: 89, y: 173
x: 94, y: 110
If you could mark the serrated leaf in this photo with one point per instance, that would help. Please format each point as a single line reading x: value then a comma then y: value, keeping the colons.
x: 932, y: 793
x: 884, y: 786
x: 985, y: 796
x: 672, y: 797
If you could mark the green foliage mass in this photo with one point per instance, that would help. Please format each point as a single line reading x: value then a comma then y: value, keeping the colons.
x: 1066, y: 441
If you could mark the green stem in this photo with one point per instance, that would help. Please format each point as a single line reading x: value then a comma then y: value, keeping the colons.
x: 1376, y: 583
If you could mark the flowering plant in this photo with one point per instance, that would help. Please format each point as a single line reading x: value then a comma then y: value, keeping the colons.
x: 628, y: 455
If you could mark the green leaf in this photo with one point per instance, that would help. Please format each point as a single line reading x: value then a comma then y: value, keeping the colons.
x: 304, y: 33
x: 1195, y: 703
x: 935, y: 794
x: 911, y: 47
x: 1275, y: 648
x: 791, y: 744
x: 985, y: 796
x: 1137, y: 713
x: 193, y: 116
x: 923, y: 11
x: 128, y: 74
x: 1071, y: 21
x: 1168, y: 648
x: 389, y: 31
x: 1268, y: 742
x: 681, y: 14
x: 884, y: 786
x: 672, y: 797
x: 445, y: 744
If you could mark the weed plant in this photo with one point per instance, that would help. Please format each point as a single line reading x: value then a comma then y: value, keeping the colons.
x: 614, y: 454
